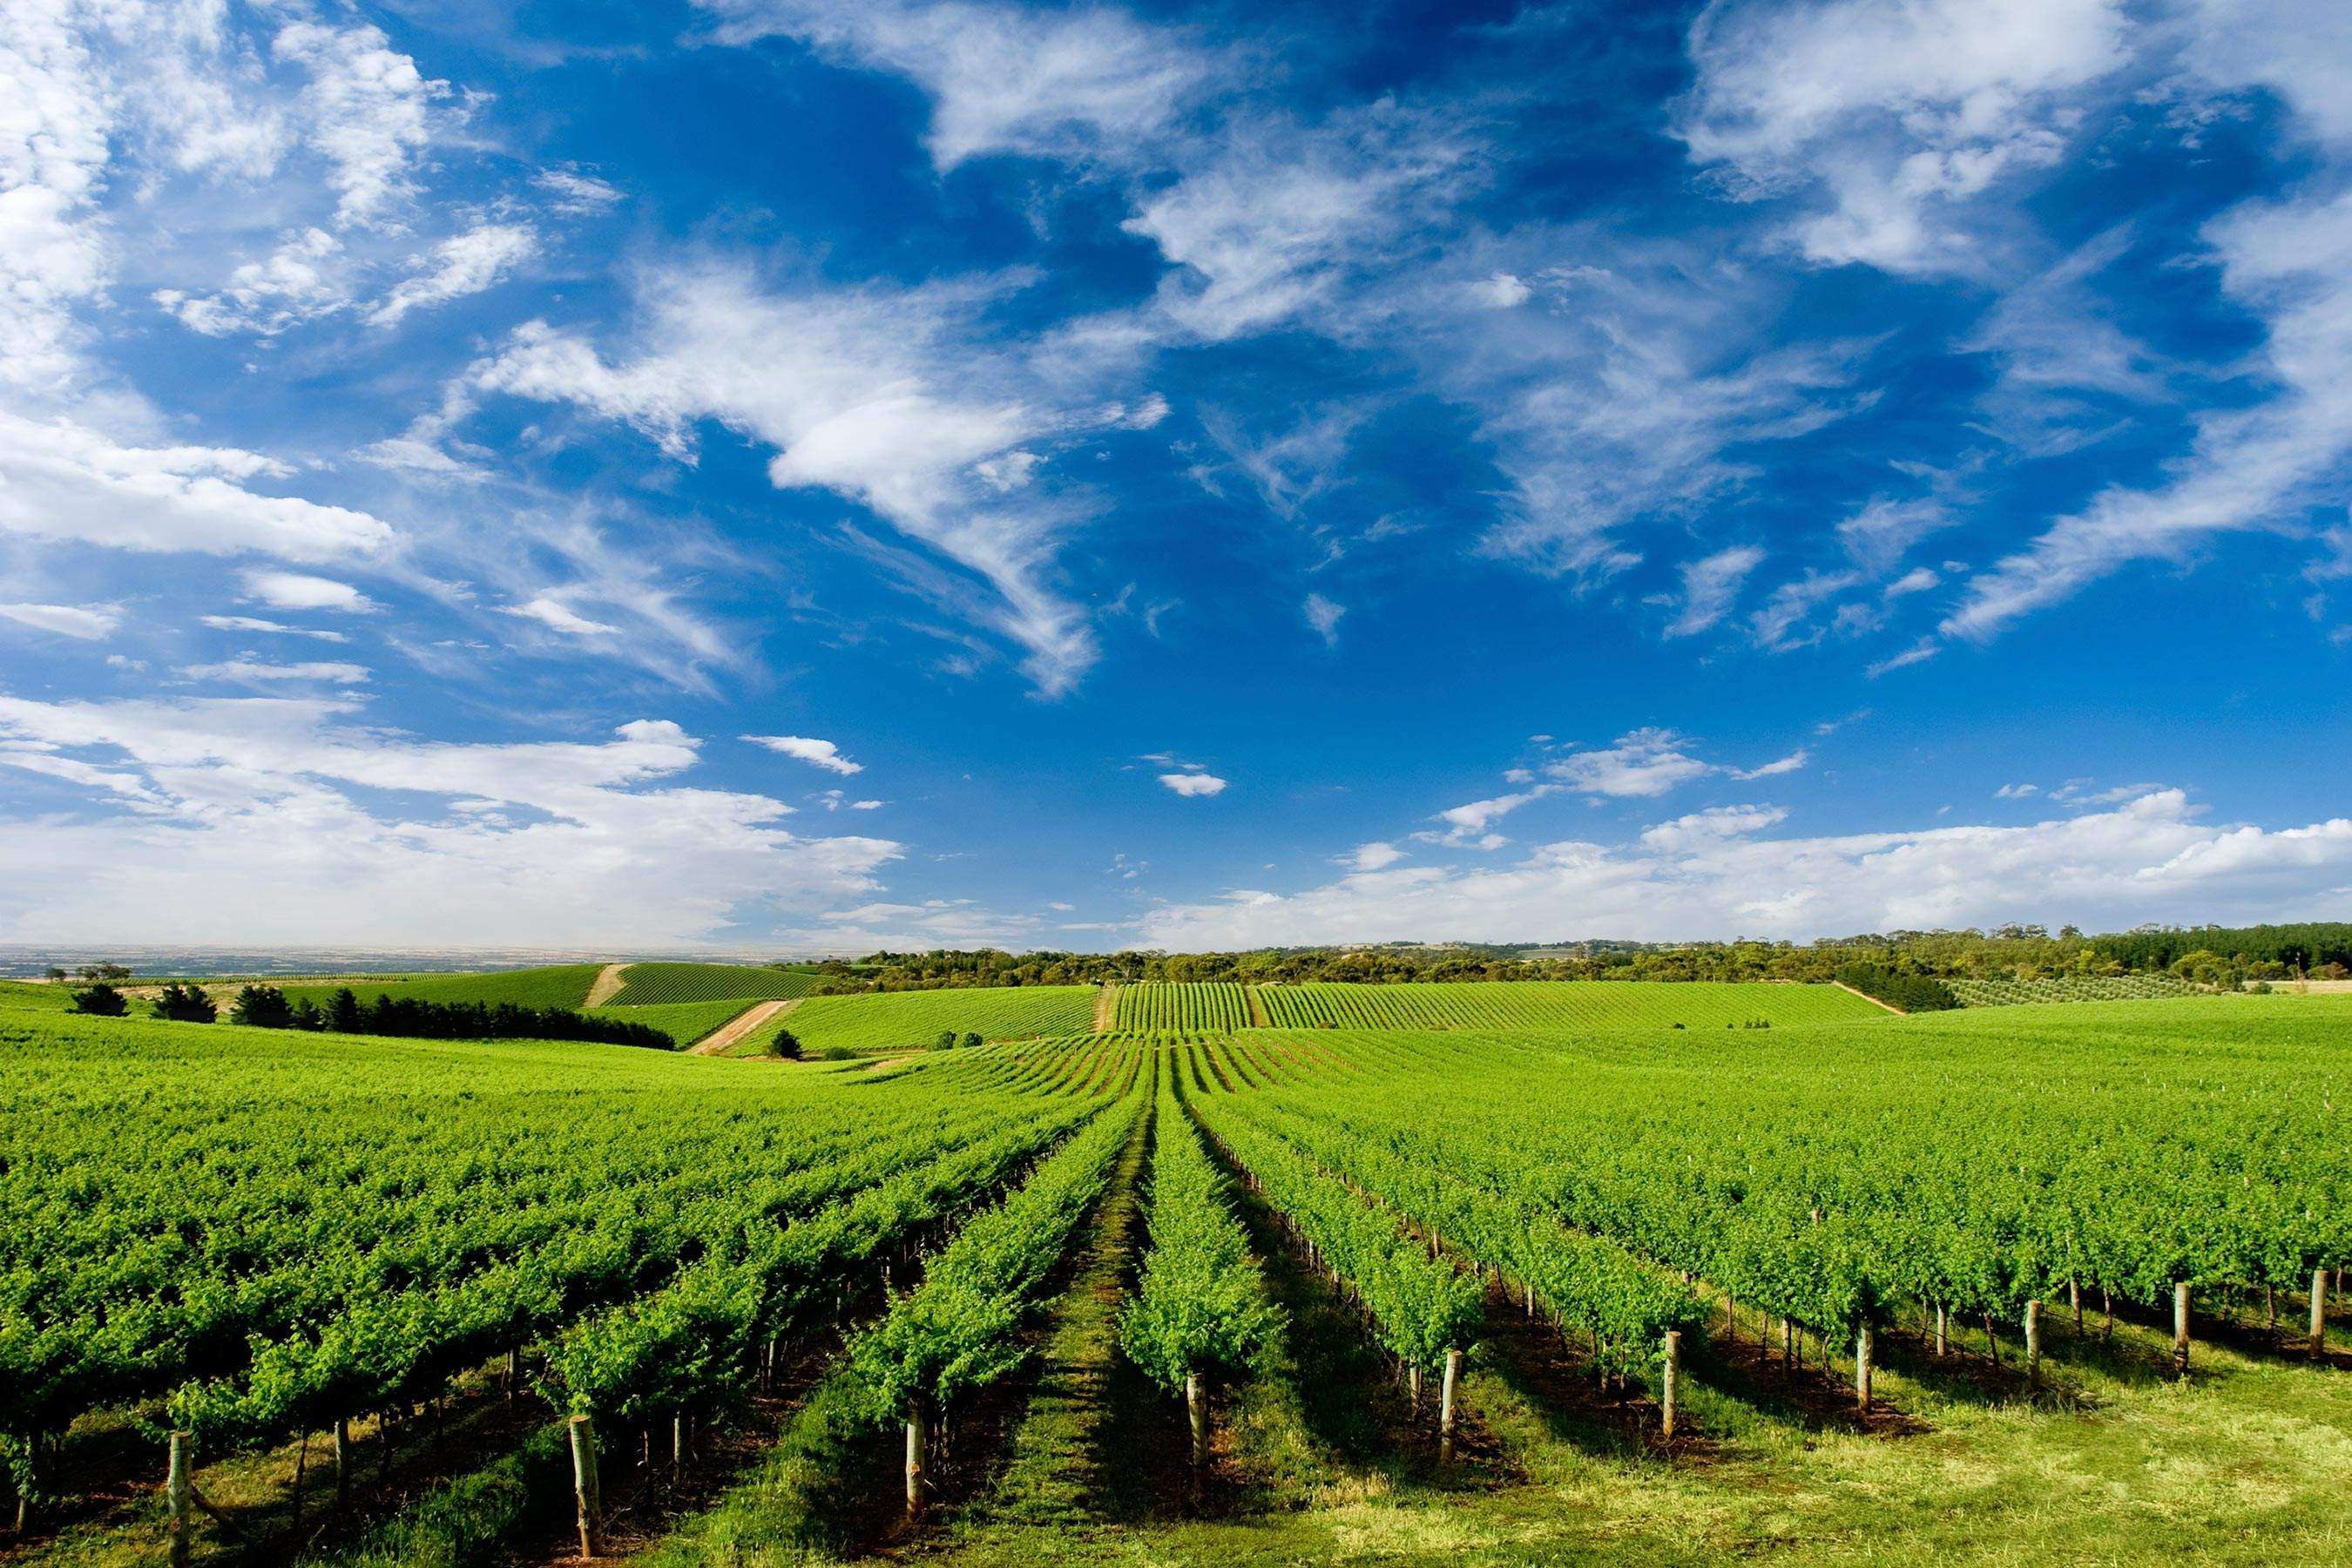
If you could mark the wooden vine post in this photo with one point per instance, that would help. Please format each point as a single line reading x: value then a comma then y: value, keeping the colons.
x: 584, y: 1486
x: 178, y: 1492
x: 1196, y: 1411
x: 916, y: 1436
x: 2318, y: 1313
x: 1861, y: 1348
x: 342, y: 1461
x: 1445, y: 1407
x: 1670, y: 1385
x: 2034, y: 1344
x: 2180, y: 1328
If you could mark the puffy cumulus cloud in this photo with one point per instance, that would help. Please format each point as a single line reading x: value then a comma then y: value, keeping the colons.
x: 892, y: 398
x: 303, y: 278
x: 1643, y: 764
x: 1373, y: 856
x: 1194, y: 785
x: 54, y: 144
x: 62, y: 480
x: 325, y: 828
x: 1708, y: 876
x: 1712, y: 826
x: 367, y: 111
x: 300, y: 590
x: 1901, y: 113
x: 1469, y: 823
x: 815, y: 753
x: 90, y: 622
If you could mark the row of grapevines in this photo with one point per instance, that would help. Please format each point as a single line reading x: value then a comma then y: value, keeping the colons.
x: 957, y: 1331
x: 1198, y: 1310
x: 658, y: 985
x: 1552, y: 1005
x: 1166, y: 1006
x: 1422, y: 1306
x: 376, y: 1351
x: 1625, y: 1304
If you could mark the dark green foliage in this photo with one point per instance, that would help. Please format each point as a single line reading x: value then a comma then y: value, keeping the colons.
x: 1912, y: 993
x: 971, y: 1038
x: 407, y: 1017
x: 101, y: 999
x: 185, y: 1005
x: 786, y: 1045
x: 262, y: 1007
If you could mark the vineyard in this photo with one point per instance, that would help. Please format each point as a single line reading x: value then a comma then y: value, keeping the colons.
x: 2073, y: 988
x: 704, y: 1311
x: 684, y: 1022
x: 914, y: 1020
x: 1183, y: 1008
x: 1554, y: 1004
x: 663, y: 984
x: 555, y: 985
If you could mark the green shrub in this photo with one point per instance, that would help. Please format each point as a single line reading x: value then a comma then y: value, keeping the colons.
x: 101, y: 999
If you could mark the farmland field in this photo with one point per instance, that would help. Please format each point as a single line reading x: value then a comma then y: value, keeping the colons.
x: 658, y: 985
x: 550, y: 986
x: 903, y: 1020
x: 251, y: 1235
x: 2073, y: 988
x: 1183, y: 1007
x: 1554, y: 1004
x: 684, y: 1022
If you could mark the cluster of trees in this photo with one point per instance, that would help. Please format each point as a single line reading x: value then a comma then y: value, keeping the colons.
x: 1912, y: 993
x: 267, y: 1007
x: 2207, y: 954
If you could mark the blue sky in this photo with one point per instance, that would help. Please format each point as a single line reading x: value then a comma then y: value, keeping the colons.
x: 806, y: 476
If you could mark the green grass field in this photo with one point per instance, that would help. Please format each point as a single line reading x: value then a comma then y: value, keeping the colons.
x: 685, y: 1021
x: 550, y: 986
x: 659, y: 985
x: 913, y: 1020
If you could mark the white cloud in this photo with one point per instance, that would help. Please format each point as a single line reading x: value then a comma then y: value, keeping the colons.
x: 1194, y: 785
x: 885, y: 395
x: 1788, y: 764
x: 1324, y: 616
x: 1919, y: 652
x: 2148, y: 859
x: 1877, y: 536
x: 90, y: 622
x: 1081, y: 83
x: 566, y: 841
x: 62, y: 481
x: 1903, y: 113
x: 815, y: 753
x: 1643, y: 764
x: 1918, y: 580
x: 1374, y: 857
x: 1469, y: 824
x: 54, y: 134
x: 367, y: 111
x: 556, y: 616
x: 300, y: 590
x: 1709, y: 585
x: 255, y: 624
x: 300, y: 281
x: 249, y: 672
x: 1501, y: 291
x: 1779, y: 625
x: 2017, y: 792
x: 463, y: 264
x: 2249, y: 468
x: 576, y: 195
x: 1701, y: 829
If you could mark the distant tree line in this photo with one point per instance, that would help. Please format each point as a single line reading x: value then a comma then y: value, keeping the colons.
x: 2210, y: 955
x: 267, y: 1007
